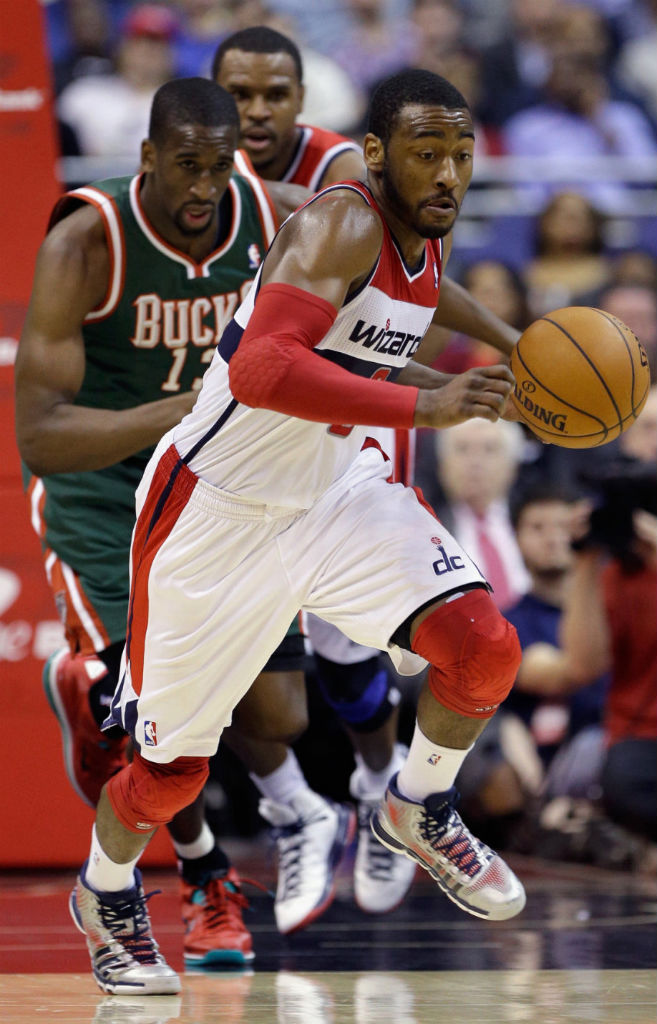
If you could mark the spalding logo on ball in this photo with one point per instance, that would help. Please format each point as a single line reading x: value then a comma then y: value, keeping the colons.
x: 582, y: 377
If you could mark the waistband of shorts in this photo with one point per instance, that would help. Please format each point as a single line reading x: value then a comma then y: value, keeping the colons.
x: 212, y: 499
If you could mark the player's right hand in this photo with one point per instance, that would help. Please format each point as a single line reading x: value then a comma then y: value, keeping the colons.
x: 482, y: 391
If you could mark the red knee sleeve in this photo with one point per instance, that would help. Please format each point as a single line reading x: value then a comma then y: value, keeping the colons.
x: 144, y: 795
x: 473, y: 652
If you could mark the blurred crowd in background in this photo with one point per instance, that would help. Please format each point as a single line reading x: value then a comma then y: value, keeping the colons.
x: 568, y: 767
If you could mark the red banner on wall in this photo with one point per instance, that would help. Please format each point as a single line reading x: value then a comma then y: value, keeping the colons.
x: 43, y: 822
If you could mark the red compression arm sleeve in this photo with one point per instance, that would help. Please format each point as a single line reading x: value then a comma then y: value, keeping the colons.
x: 275, y: 367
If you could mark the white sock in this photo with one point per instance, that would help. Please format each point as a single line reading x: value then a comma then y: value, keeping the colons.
x: 373, y: 784
x: 103, y: 874
x: 283, y: 783
x: 429, y: 767
x: 202, y: 845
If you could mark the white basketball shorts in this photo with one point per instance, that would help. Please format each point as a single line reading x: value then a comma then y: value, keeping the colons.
x: 215, y: 582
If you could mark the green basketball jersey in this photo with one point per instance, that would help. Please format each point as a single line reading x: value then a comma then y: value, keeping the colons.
x: 153, y: 336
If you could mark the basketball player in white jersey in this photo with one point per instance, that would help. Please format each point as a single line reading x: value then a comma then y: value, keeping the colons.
x: 263, y: 71
x: 268, y: 498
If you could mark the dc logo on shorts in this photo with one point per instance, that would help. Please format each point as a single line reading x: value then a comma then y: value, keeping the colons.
x: 150, y: 734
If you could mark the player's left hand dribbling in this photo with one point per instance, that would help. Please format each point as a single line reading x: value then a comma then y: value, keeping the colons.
x: 482, y: 391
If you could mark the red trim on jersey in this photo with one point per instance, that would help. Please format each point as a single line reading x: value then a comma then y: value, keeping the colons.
x: 78, y: 637
x: 309, y: 156
x: 194, y: 265
x: 275, y: 368
x: 59, y: 213
x: 402, y: 457
x: 112, y: 256
x: 248, y: 172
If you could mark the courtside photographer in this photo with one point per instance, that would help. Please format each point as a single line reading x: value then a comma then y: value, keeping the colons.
x: 609, y: 621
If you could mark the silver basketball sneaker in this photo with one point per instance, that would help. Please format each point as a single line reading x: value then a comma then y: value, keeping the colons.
x: 125, y: 957
x: 433, y: 834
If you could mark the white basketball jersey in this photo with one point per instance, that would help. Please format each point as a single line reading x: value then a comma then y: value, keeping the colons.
x: 276, y: 459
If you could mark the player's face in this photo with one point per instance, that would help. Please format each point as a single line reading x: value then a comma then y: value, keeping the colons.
x: 544, y: 535
x: 188, y: 175
x: 269, y: 97
x: 427, y: 167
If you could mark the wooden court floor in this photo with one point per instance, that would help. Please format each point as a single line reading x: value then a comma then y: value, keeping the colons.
x: 583, y: 950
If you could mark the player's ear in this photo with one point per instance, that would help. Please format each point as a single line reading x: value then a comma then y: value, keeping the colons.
x: 147, y: 155
x: 373, y: 153
x: 302, y: 96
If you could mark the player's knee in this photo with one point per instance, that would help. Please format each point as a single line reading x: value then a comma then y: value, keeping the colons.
x: 474, y: 654
x: 360, y: 693
x: 144, y: 795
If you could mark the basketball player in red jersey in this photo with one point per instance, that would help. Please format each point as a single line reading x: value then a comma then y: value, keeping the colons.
x: 262, y: 500
x: 263, y: 71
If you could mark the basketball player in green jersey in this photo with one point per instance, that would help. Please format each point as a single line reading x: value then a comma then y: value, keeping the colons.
x: 133, y: 286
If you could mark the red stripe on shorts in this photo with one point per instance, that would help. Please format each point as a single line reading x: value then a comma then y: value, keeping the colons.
x: 149, y: 536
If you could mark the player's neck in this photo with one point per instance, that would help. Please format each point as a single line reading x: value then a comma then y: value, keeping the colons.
x: 196, y: 246
x: 409, y: 242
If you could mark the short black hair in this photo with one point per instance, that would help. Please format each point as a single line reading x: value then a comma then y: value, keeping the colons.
x: 258, y: 39
x: 540, y: 492
x: 191, y: 101
x: 413, y: 86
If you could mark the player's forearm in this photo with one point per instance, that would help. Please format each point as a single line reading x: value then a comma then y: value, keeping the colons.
x: 420, y: 376
x: 311, y: 388
x: 460, y: 311
x: 584, y: 631
x: 275, y: 367
x: 73, y: 438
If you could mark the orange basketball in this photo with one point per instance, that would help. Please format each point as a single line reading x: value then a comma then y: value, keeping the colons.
x: 582, y: 377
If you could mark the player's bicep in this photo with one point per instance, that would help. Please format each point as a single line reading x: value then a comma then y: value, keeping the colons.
x: 50, y: 362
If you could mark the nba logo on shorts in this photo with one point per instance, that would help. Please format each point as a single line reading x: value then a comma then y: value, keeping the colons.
x: 434, y: 759
x: 150, y: 734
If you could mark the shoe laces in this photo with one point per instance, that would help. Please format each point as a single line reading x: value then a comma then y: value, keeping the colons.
x: 380, y: 861
x: 138, y: 941
x: 448, y: 836
x: 293, y: 842
x: 223, y: 903
x: 222, y: 900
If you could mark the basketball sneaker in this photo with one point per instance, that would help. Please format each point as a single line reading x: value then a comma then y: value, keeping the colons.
x: 215, y: 933
x: 432, y: 833
x: 381, y: 877
x: 125, y: 958
x: 311, y: 836
x: 90, y: 757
